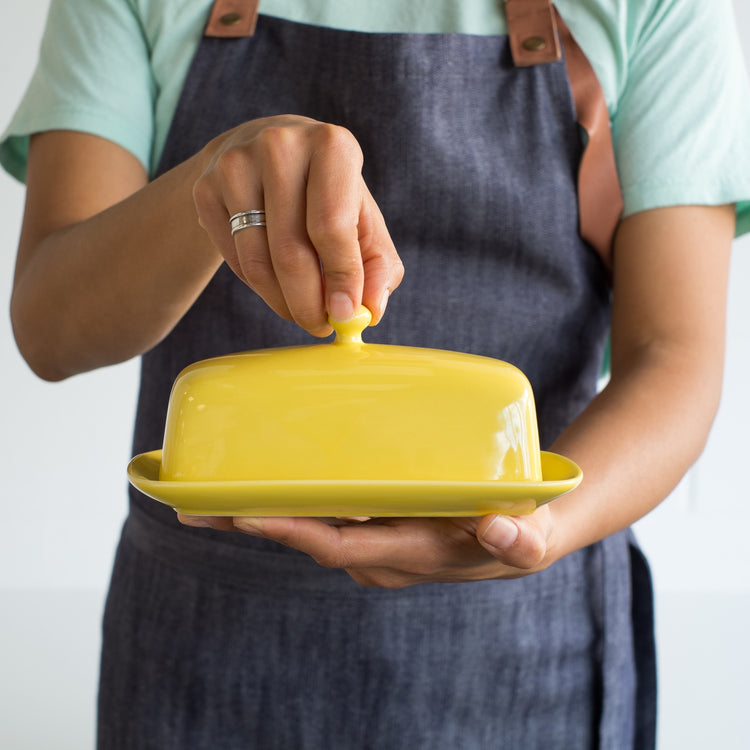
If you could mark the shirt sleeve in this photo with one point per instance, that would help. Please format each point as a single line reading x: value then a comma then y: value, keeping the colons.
x: 683, y: 117
x: 93, y: 76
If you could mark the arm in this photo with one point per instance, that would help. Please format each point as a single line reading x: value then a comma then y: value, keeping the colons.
x: 108, y: 263
x: 634, y: 442
x: 644, y: 431
x: 105, y: 264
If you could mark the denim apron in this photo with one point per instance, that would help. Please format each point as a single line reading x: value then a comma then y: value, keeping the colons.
x: 215, y: 640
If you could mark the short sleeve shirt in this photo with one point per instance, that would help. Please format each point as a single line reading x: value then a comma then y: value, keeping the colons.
x: 672, y: 73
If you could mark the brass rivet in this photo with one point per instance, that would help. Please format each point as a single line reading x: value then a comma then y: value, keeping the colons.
x: 230, y: 19
x: 534, y: 44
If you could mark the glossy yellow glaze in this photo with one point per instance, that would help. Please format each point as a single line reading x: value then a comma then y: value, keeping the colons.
x: 351, y: 411
x: 355, y: 497
x: 352, y: 429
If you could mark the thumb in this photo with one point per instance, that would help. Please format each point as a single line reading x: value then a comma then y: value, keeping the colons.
x: 516, y: 541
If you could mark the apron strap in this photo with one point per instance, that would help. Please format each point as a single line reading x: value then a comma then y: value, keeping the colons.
x: 533, y: 28
x: 232, y: 18
x: 599, y: 195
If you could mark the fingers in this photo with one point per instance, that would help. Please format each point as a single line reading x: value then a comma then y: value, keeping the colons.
x: 220, y: 523
x: 334, y: 201
x: 382, y: 265
x: 283, y: 265
x: 403, y: 551
x: 331, y: 545
x: 325, y: 248
x: 210, y: 198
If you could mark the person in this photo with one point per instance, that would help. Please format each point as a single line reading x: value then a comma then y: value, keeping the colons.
x: 440, y: 139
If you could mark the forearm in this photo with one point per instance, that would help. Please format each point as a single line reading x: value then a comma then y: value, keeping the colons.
x: 108, y: 287
x: 643, y: 432
x: 635, y: 442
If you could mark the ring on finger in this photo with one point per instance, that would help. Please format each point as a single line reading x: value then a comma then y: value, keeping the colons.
x: 246, y: 219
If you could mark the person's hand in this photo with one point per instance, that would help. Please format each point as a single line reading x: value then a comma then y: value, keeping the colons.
x: 398, y: 552
x: 325, y: 248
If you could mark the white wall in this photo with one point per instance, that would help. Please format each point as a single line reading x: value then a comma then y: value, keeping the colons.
x: 697, y: 544
x: 63, y: 451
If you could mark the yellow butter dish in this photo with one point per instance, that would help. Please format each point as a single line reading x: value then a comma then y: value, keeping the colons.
x: 352, y: 429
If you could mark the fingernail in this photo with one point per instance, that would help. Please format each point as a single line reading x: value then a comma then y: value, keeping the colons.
x: 384, y: 301
x: 501, y: 533
x: 195, y: 521
x: 340, y: 307
x: 252, y: 526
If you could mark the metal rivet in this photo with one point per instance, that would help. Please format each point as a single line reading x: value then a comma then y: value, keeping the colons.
x: 230, y: 19
x: 534, y: 44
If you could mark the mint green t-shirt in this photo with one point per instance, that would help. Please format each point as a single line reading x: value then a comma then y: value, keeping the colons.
x: 672, y: 73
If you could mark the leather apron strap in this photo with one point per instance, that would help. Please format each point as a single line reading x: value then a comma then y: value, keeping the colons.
x: 232, y: 18
x: 533, y: 27
x: 599, y: 195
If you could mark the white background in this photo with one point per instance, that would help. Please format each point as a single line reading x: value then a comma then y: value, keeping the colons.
x: 63, y: 451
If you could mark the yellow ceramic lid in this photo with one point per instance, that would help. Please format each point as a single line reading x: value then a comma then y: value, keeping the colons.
x: 349, y: 415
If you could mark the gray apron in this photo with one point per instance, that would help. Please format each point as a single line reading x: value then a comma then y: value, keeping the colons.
x: 215, y: 640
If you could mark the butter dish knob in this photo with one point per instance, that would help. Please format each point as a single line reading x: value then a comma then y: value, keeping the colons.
x: 350, y: 331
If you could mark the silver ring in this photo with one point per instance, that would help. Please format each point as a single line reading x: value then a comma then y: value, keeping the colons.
x: 246, y: 219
